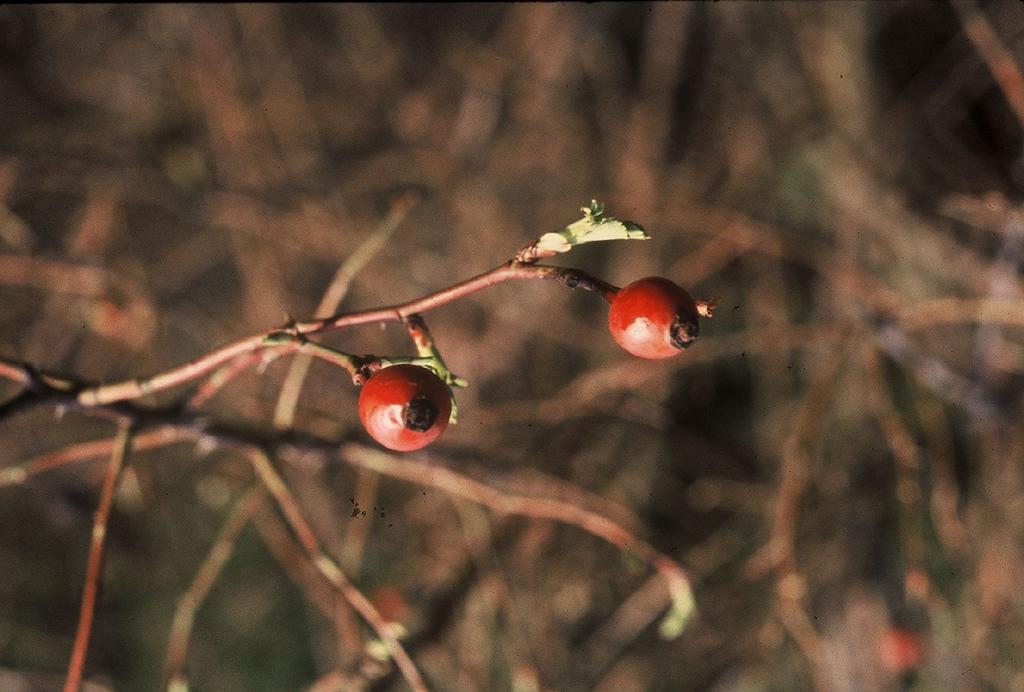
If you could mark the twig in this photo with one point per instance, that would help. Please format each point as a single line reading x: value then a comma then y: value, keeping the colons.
x: 291, y: 388
x: 1000, y: 61
x: 300, y: 569
x: 948, y: 311
x: 62, y: 392
x: 416, y: 327
x: 459, y: 485
x: 86, y: 281
x: 329, y: 569
x: 64, y: 277
x: 905, y: 453
x: 221, y: 377
x: 199, y: 588
x: 86, y: 451
x: 629, y: 620
x: 135, y: 388
x: 15, y: 373
x: 579, y: 396
x: 92, y: 573
x: 294, y: 563
x: 273, y: 344
x: 357, y: 532
x: 288, y: 399
x: 779, y: 554
x: 934, y: 373
x: 173, y: 426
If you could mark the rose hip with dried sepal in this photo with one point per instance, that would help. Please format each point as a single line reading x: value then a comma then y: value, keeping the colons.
x: 405, y: 407
x: 653, y: 318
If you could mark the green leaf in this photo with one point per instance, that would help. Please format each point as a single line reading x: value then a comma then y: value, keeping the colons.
x: 594, y: 226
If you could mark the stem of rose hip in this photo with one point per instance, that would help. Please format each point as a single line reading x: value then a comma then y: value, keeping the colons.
x: 510, y: 271
x: 429, y: 354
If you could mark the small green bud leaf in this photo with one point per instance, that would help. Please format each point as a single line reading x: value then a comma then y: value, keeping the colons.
x: 594, y: 226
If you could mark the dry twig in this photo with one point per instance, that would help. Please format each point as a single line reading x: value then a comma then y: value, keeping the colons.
x: 90, y: 591
x: 211, y: 567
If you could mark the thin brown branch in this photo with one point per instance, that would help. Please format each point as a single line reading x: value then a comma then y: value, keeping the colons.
x: 268, y: 346
x: 202, y: 582
x: 459, y: 485
x: 950, y: 311
x: 90, y: 590
x: 55, y: 275
x: 86, y: 451
x: 329, y: 569
x: 357, y: 532
x: 221, y: 377
x: 1000, y: 61
x: 60, y: 391
x: 742, y: 234
x: 106, y: 317
x: 593, y: 389
x: 14, y: 373
x: 288, y: 399
x: 779, y: 554
x: 317, y: 590
x: 294, y: 563
x: 625, y: 625
x: 136, y: 388
x: 908, y: 489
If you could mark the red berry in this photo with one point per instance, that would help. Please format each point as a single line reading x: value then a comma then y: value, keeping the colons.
x: 901, y: 650
x: 405, y: 407
x: 653, y: 318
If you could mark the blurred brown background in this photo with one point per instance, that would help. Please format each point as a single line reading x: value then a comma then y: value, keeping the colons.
x: 837, y: 462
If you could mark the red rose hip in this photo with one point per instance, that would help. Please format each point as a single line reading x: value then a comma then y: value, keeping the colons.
x: 653, y: 318
x: 405, y: 407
